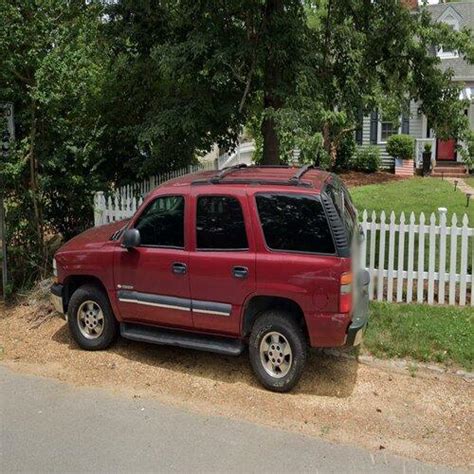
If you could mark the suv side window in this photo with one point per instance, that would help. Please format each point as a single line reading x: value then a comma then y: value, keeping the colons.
x: 220, y: 224
x: 294, y: 222
x: 162, y: 222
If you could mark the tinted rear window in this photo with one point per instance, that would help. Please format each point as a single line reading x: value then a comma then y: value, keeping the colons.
x: 220, y: 224
x: 294, y: 222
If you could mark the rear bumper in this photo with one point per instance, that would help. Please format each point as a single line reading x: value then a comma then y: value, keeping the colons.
x: 356, y: 330
x: 56, y: 298
x: 360, y: 318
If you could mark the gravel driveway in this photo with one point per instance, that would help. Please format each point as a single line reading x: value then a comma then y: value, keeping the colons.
x: 422, y: 414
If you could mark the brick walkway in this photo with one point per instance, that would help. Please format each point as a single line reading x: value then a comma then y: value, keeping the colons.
x: 462, y: 185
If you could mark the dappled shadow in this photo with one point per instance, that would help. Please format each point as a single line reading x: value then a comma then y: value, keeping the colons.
x: 324, y: 375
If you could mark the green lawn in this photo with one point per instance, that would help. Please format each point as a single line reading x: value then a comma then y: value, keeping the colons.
x: 470, y: 181
x: 421, y: 332
x: 416, y: 194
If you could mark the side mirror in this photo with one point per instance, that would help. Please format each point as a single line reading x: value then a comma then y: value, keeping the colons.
x: 131, y: 238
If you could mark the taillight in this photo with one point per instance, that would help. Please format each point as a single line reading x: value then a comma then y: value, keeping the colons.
x: 345, y: 297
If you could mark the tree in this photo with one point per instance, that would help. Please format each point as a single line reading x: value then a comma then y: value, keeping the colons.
x: 211, y: 67
x: 51, y: 70
x: 368, y: 55
x: 307, y: 69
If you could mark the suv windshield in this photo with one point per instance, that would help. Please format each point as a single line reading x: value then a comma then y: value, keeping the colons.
x: 343, y: 203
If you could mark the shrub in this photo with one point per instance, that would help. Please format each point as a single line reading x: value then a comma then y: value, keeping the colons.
x: 366, y: 159
x: 345, y: 152
x: 401, y: 146
x: 467, y: 151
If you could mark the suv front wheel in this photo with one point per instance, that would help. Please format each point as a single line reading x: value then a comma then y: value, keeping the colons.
x: 91, y: 320
x: 277, y: 350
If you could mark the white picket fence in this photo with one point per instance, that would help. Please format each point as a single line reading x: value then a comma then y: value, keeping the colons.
x: 123, y: 202
x: 416, y: 259
x: 419, y: 259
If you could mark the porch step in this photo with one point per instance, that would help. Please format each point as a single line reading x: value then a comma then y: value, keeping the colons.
x: 167, y: 337
x: 449, y: 170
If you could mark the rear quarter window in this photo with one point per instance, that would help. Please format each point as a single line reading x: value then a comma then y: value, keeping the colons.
x: 294, y: 222
x: 345, y: 208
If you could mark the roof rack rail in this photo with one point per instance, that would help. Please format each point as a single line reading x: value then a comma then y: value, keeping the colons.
x: 301, y: 172
x: 254, y: 181
x: 218, y: 177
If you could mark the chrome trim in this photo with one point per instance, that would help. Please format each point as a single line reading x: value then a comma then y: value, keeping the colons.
x: 206, y: 311
x: 211, y: 307
x: 173, y: 302
x: 159, y: 305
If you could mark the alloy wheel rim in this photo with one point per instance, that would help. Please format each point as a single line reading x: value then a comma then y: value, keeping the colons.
x: 90, y: 320
x: 275, y: 354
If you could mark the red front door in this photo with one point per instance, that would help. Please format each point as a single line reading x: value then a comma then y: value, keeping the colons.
x: 446, y: 150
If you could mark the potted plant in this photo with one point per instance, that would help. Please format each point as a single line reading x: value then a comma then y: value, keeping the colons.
x: 426, y: 165
x: 402, y: 147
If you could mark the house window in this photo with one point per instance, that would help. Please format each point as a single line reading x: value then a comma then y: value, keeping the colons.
x: 453, y: 22
x: 386, y: 129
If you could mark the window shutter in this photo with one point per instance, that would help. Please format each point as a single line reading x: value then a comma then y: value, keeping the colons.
x: 359, y: 129
x: 406, y: 124
x: 374, y: 122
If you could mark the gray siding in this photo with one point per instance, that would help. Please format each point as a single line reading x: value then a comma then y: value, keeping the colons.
x: 416, y: 131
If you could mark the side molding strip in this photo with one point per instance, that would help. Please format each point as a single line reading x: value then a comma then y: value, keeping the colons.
x: 171, y: 302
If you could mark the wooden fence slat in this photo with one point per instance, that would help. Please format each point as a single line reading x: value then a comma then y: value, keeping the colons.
x: 373, y: 232
x: 401, y: 257
x: 453, y: 256
x: 442, y: 254
x: 363, y: 252
x: 431, y: 257
x: 380, y: 278
x: 421, y: 259
x: 463, y: 269
x: 411, y: 251
x: 391, y: 256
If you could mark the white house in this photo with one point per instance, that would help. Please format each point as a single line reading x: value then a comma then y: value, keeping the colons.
x: 376, y: 131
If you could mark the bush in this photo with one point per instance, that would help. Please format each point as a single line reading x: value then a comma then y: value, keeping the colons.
x: 366, y: 159
x: 345, y: 152
x: 467, y: 151
x: 401, y: 146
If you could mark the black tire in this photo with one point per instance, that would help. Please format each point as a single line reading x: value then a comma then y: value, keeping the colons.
x: 285, y: 324
x: 109, y: 327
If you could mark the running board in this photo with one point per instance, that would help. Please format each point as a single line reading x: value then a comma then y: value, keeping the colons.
x: 167, y: 337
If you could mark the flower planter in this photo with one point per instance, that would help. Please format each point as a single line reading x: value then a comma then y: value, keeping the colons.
x: 404, y: 167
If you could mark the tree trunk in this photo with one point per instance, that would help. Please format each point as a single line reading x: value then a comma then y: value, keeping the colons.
x: 37, y: 205
x: 272, y: 78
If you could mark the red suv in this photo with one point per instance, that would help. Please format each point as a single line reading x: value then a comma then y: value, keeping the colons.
x: 215, y: 261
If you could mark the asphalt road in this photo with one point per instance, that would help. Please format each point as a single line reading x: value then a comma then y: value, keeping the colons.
x: 49, y: 426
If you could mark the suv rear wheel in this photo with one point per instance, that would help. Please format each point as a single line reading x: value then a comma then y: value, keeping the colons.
x: 90, y: 318
x: 277, y: 350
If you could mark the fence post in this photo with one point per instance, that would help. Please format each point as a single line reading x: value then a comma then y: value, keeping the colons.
x: 453, y: 256
x: 401, y: 257
x: 380, y: 277
x: 391, y: 255
x: 411, y: 257
x: 442, y: 254
x: 373, y: 233
x: 463, y: 269
x: 98, y: 208
x: 421, y: 259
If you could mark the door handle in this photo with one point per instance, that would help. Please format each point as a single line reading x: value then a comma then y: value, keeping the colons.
x: 179, y: 268
x: 240, y: 272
